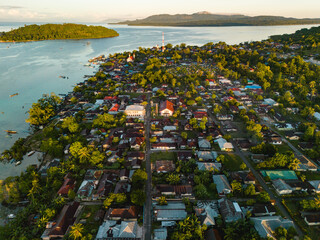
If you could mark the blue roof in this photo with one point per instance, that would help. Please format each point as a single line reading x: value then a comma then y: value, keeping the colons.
x: 253, y: 87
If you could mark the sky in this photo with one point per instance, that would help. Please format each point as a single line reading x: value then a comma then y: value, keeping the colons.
x: 115, y: 10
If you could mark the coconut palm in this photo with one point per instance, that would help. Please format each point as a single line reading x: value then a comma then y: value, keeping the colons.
x: 76, y: 231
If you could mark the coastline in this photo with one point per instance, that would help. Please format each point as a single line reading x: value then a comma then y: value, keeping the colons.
x: 18, y: 41
x: 181, y: 26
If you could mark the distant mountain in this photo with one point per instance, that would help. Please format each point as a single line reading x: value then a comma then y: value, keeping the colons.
x: 209, y: 19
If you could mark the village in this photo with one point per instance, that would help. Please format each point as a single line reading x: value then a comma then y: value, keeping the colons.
x: 195, y: 150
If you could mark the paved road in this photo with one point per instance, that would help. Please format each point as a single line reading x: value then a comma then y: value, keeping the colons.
x: 260, y: 180
x: 147, y: 223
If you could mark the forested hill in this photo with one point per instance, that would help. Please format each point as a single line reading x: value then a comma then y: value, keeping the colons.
x: 208, y: 19
x: 309, y: 37
x: 57, y: 31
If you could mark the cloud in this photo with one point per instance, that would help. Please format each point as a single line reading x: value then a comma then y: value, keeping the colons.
x: 14, y: 13
x: 8, y: 7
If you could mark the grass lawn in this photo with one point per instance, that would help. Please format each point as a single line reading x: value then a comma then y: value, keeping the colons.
x: 283, y: 148
x: 163, y: 156
x: 312, y: 175
x: 191, y: 134
x: 232, y: 162
x: 89, y: 212
x: 241, y: 133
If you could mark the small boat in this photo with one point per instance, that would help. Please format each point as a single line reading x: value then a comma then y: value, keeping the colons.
x: 11, y: 131
x: 18, y: 163
x: 11, y: 216
x: 12, y: 95
x: 30, y: 153
x: 62, y: 77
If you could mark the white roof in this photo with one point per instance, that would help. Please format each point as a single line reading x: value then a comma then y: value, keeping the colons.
x: 317, y: 115
x: 223, y: 143
x: 134, y: 108
x: 265, y: 226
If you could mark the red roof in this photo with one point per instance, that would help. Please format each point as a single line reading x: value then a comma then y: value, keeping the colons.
x: 115, y: 108
x: 110, y: 98
x: 67, y: 185
x: 166, y: 105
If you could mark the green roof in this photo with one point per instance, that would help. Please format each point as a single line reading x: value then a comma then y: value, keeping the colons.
x: 279, y: 174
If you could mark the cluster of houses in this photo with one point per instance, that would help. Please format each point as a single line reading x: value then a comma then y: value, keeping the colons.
x: 175, y: 125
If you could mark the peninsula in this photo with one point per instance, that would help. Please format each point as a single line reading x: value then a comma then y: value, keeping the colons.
x: 36, y: 32
x: 209, y: 19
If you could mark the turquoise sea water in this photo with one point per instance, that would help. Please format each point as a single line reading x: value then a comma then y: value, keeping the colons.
x: 33, y: 68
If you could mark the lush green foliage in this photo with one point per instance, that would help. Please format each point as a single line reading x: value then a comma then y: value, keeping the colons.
x: 57, y: 31
x: 189, y: 229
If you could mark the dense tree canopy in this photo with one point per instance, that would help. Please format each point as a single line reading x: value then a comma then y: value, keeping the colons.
x: 57, y: 31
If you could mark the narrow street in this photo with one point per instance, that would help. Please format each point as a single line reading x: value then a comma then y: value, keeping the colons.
x: 259, y: 179
x: 147, y: 223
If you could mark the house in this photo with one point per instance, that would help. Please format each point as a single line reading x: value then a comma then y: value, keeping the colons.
x: 207, y: 213
x: 230, y: 211
x: 122, y: 187
x: 67, y: 185
x: 124, y: 214
x: 306, y: 165
x: 166, y: 109
x: 279, y: 118
x: 284, y: 126
x: 163, y: 146
x: 61, y: 226
x: 173, y: 211
x: 204, y: 144
x: 291, y: 135
x: 267, y: 225
x: 135, y: 111
x: 54, y: 163
x: 315, y: 185
x: 114, y: 109
x: 208, y: 166
x: 312, y: 219
x: 228, y: 117
x: 207, y: 156
x: 258, y: 158
x: 244, y: 177
x: 281, y: 187
x: 222, y: 184
x: 164, y: 166
x: 297, y: 185
x: 106, y: 183
x: 260, y: 210
x: 129, y: 230
x: 275, y: 140
x: 270, y: 102
x: 124, y: 175
x: 224, y: 145
x: 160, y: 234
x: 179, y: 191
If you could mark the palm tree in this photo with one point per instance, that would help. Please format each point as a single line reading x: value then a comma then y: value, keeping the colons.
x: 317, y: 201
x: 76, y: 231
x: 84, y: 154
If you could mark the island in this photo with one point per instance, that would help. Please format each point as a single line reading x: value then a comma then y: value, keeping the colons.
x: 36, y: 32
x: 209, y: 19
x: 177, y: 142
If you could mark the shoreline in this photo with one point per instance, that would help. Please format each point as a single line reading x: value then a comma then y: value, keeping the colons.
x: 11, y: 41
